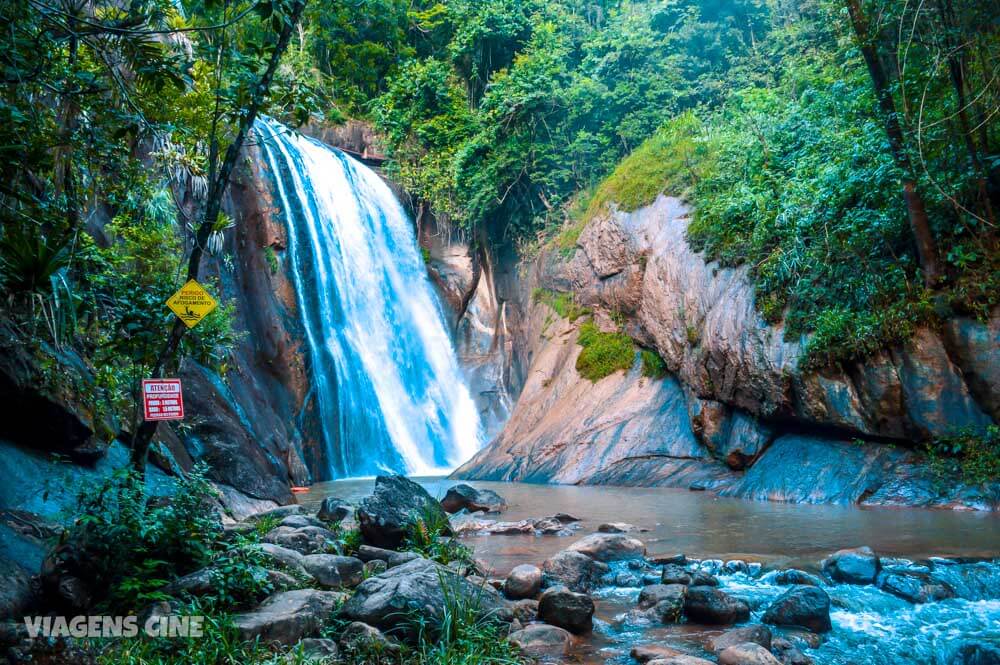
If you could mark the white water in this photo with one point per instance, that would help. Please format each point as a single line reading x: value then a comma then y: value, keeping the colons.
x: 385, y: 376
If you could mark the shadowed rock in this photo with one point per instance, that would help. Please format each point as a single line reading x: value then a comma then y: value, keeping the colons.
x: 334, y: 510
x: 757, y: 634
x: 567, y: 609
x: 747, y: 654
x: 540, y: 640
x: 524, y: 581
x: 397, y: 503
x: 710, y: 606
x: 804, y: 606
x: 663, y: 602
x: 473, y: 500
x: 574, y: 570
x: 859, y: 565
x: 287, y: 617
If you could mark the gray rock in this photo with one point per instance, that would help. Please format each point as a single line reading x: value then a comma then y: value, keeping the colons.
x: 319, y: 648
x: 747, y: 654
x: 789, y: 654
x: 540, y: 640
x: 386, y: 515
x: 289, y: 616
x: 792, y: 576
x: 708, y: 605
x: 647, y: 653
x: 804, y: 606
x: 609, y: 547
x: 524, y: 581
x: 567, y: 609
x: 304, y: 540
x: 914, y: 587
x: 299, y: 521
x: 576, y: 571
x: 333, y: 571
x: 289, y: 559
x: 682, y: 659
x: 663, y: 602
x: 279, y: 513
x: 361, y: 639
x: 853, y: 566
x: 619, y: 527
x: 526, y: 610
x: 757, y: 634
x: 334, y: 510
x: 675, y: 574
x: 420, y: 588
x: 473, y: 500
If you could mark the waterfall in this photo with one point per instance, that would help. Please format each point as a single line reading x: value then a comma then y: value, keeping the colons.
x: 385, y: 377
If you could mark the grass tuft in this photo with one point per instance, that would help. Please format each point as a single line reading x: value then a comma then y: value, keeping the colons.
x: 603, y: 353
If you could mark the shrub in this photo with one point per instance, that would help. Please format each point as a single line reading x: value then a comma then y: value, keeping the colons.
x: 427, y: 535
x: 603, y: 353
x: 969, y: 454
x: 653, y: 365
x: 130, y: 545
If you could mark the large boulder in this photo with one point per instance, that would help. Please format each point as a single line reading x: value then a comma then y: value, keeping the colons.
x: 756, y: 634
x: 567, y: 609
x: 289, y: 616
x: 792, y: 576
x: 541, y: 640
x: 708, y: 605
x: 804, y: 606
x: 524, y: 581
x: 609, y: 547
x: 334, y: 571
x: 473, y: 500
x: 858, y: 565
x: 418, y: 588
x: 359, y: 639
x: 386, y: 516
x: 675, y: 574
x: 286, y: 558
x: 574, y: 570
x: 663, y: 602
x: 747, y: 654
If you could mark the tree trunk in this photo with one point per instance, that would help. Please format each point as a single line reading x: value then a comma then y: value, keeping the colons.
x: 144, y: 433
x: 916, y: 212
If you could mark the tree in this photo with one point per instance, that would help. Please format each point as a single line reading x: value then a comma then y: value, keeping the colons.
x: 920, y: 226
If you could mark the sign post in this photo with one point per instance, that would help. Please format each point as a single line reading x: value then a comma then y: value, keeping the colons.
x: 162, y: 399
x: 191, y: 303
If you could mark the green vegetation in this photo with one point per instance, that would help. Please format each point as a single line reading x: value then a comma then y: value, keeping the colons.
x: 563, y: 303
x: 969, y: 455
x: 428, y: 536
x: 603, y: 353
x: 653, y: 365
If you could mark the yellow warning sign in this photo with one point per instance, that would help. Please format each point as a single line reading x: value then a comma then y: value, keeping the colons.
x: 191, y: 303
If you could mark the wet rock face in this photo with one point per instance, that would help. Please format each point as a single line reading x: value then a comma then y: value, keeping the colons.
x: 575, y: 570
x: 708, y: 605
x: 566, y: 609
x: 853, y: 566
x: 735, y: 399
x: 386, y: 515
x: 804, y: 606
x: 663, y: 602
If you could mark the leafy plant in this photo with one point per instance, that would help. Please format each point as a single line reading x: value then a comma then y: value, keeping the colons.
x: 603, y: 353
x: 653, y: 365
x: 428, y: 535
x: 970, y: 455
x: 563, y: 303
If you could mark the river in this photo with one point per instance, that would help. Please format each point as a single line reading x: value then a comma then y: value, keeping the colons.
x: 870, y: 627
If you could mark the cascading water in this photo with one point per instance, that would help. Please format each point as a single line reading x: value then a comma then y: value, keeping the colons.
x: 386, y: 379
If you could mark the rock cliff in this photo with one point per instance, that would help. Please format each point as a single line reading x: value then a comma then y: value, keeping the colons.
x: 736, y: 414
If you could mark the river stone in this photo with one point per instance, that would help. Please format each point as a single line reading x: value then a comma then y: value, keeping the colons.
x: 701, y: 578
x: 289, y: 616
x: 473, y: 500
x: 609, y: 547
x: 567, y: 609
x: 524, y: 581
x: 804, y: 606
x: 319, y: 649
x: 360, y: 638
x: 789, y: 654
x: 419, y: 587
x: 853, y: 566
x: 525, y: 610
x: 976, y: 653
x: 299, y: 521
x: 304, y: 540
x: 757, y: 634
x: 682, y: 659
x: 708, y: 605
x: 619, y: 527
x: 386, y: 515
x: 576, y: 571
x: 541, y: 640
x: 747, y: 654
x: 646, y: 653
x: 914, y: 587
x: 664, y: 602
x: 675, y: 574
x: 793, y: 576
x: 334, y: 510
x: 334, y: 571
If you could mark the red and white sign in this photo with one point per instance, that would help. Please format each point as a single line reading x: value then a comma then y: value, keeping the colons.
x: 162, y: 399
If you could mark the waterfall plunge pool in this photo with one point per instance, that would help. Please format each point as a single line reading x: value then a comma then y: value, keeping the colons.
x: 870, y: 627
